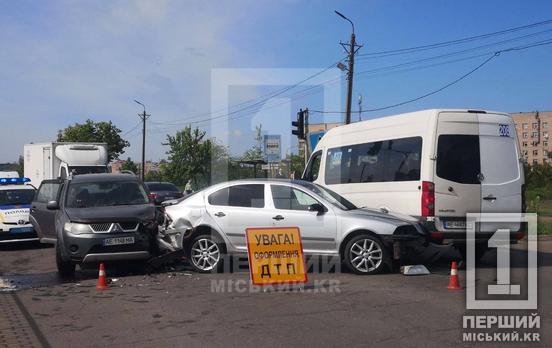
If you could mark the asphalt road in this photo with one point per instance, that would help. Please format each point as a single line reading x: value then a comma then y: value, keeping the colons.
x: 179, y: 308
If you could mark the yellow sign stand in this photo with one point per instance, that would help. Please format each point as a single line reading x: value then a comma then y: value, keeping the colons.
x: 275, y: 255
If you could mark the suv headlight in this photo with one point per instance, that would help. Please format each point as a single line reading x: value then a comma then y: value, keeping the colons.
x: 77, y: 228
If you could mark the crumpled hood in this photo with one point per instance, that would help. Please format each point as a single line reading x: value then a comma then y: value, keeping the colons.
x: 396, y: 217
x: 141, y: 212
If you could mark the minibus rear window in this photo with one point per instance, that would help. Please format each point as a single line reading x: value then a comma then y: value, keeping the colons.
x: 458, y: 158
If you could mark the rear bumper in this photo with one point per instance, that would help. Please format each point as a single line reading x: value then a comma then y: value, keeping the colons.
x: 459, y: 236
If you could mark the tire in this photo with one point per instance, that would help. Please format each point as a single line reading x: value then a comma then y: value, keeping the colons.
x: 366, y: 254
x: 205, y: 253
x: 66, y: 269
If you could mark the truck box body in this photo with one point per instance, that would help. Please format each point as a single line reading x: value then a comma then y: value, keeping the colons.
x: 56, y: 159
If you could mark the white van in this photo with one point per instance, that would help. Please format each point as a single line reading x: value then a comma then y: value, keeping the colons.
x: 434, y: 164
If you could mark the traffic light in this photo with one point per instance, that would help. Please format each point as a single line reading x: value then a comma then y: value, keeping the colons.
x: 300, y: 124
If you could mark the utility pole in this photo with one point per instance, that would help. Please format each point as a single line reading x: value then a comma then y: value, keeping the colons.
x: 359, y: 107
x: 143, y: 116
x: 306, y: 132
x: 351, y: 48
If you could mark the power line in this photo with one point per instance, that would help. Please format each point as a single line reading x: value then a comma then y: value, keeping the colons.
x: 383, y: 70
x: 261, y: 99
x: 452, y: 42
x: 496, y: 54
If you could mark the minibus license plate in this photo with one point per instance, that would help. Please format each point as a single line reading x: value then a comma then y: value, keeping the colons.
x: 455, y: 225
x: 118, y: 241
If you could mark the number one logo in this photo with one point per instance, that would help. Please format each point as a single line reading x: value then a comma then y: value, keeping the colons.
x: 501, y: 241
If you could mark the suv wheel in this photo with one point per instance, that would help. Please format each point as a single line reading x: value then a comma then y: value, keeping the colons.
x: 365, y: 254
x: 66, y: 269
x: 205, y: 253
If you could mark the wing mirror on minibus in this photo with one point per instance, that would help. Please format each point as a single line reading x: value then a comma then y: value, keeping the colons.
x: 317, y: 207
x: 52, y: 205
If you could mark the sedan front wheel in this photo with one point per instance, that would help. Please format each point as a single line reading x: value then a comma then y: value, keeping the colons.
x: 365, y: 254
x: 205, y: 253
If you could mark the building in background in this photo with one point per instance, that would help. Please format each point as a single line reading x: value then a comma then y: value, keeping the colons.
x: 533, y: 130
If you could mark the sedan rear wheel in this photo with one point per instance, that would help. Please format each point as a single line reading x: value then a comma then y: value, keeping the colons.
x: 365, y: 254
x: 206, y: 253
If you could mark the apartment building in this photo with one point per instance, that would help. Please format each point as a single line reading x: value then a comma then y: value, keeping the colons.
x: 533, y: 129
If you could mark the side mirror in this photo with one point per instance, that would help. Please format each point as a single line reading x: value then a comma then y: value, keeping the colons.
x: 52, y: 205
x: 317, y: 207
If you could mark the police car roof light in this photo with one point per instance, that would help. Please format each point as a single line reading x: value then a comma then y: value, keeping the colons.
x: 6, y: 181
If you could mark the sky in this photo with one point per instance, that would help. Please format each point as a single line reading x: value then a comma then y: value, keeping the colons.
x: 228, y: 66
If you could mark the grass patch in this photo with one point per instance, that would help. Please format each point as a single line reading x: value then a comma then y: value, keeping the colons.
x: 544, y: 227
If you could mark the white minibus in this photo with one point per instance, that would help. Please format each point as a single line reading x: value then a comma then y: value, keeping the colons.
x: 437, y: 165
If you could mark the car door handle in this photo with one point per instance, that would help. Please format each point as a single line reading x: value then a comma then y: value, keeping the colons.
x: 490, y: 198
x: 278, y: 217
x: 220, y: 214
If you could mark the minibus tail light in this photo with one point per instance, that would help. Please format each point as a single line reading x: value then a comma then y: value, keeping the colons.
x: 428, y: 199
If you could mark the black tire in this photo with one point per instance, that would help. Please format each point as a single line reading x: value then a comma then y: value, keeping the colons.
x: 374, y: 256
x: 66, y: 269
x: 212, y: 248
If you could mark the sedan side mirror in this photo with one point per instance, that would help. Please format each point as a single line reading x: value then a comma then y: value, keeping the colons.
x: 52, y: 205
x: 317, y: 207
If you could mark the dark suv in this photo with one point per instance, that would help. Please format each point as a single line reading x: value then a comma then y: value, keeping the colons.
x: 95, y: 217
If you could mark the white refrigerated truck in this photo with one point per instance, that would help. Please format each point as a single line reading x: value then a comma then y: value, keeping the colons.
x: 59, y: 160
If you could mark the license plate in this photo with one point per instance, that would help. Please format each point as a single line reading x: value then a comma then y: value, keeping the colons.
x: 21, y: 230
x: 118, y: 241
x: 455, y: 224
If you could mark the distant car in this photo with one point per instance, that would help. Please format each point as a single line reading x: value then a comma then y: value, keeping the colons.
x: 329, y: 224
x: 163, y: 191
x: 95, y: 217
x: 15, y: 200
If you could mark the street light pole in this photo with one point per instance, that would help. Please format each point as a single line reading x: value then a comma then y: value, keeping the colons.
x: 351, y: 48
x: 143, y: 116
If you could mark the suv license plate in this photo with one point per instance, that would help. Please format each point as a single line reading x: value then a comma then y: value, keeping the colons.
x: 455, y: 225
x: 118, y: 241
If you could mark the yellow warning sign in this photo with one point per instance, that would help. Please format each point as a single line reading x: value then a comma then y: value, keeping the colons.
x: 275, y: 255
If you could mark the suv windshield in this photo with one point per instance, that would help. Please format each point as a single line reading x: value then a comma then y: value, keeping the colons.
x: 329, y: 195
x: 16, y: 196
x: 104, y: 194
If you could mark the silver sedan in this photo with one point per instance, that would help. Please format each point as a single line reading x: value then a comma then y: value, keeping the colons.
x: 213, y: 222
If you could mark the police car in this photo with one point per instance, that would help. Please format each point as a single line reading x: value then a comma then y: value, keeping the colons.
x: 16, y: 195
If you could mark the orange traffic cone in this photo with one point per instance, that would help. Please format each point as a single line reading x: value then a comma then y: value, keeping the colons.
x: 454, y: 284
x: 102, y: 284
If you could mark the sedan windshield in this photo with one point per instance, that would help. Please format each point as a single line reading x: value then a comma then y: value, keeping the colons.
x: 104, y: 194
x: 329, y: 195
x: 16, y: 196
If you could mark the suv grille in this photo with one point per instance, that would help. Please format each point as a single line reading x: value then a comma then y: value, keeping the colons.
x: 105, y: 227
x: 126, y: 226
x: 108, y: 227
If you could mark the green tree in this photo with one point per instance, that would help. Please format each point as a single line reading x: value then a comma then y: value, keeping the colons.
x: 20, y: 166
x: 296, y: 163
x: 192, y: 157
x: 129, y: 164
x: 255, y: 152
x: 96, y: 132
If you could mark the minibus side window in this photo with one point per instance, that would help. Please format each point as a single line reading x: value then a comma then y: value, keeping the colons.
x: 458, y: 158
x: 380, y: 161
